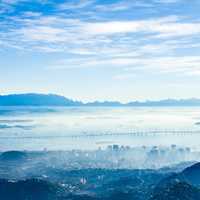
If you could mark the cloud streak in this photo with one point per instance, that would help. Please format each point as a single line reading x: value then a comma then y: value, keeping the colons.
x: 154, y: 43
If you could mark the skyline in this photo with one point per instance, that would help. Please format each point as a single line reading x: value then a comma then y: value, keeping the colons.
x: 98, y: 50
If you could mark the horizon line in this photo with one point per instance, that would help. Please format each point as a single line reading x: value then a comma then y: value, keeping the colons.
x: 100, y: 100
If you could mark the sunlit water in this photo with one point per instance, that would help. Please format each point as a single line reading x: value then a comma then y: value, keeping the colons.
x: 37, y: 128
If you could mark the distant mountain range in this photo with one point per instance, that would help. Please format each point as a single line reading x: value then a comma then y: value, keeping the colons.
x: 33, y: 99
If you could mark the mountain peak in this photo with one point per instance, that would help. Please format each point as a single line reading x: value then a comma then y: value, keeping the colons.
x: 38, y: 99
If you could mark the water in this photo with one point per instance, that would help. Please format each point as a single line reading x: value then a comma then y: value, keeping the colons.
x: 64, y: 128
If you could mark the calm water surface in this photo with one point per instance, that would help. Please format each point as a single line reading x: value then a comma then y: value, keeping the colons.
x: 62, y: 128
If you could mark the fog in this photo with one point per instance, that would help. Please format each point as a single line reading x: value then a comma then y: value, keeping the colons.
x: 99, y: 153
x: 90, y: 128
x: 112, y: 157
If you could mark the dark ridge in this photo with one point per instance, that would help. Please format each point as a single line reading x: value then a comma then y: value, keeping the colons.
x: 32, y: 189
x: 40, y: 181
x: 192, y: 174
x: 193, y: 168
x: 13, y: 155
x: 189, y: 176
x: 176, y: 191
x: 177, y: 168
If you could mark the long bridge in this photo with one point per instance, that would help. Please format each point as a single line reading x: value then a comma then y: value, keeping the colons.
x: 135, y: 133
x: 140, y: 133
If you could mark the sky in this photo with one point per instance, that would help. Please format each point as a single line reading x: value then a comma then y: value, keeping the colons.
x: 90, y: 50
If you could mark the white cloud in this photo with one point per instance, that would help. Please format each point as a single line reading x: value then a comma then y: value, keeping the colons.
x: 181, y: 66
x: 194, y: 73
x: 32, y: 14
x: 12, y: 2
x: 43, y: 34
x: 125, y: 76
x: 131, y: 67
x: 58, y: 29
x: 167, y: 1
x: 122, y: 6
x: 75, y: 4
x: 110, y: 37
x: 161, y: 27
x: 130, y: 44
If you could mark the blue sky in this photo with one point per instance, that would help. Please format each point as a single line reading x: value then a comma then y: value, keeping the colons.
x: 99, y: 49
